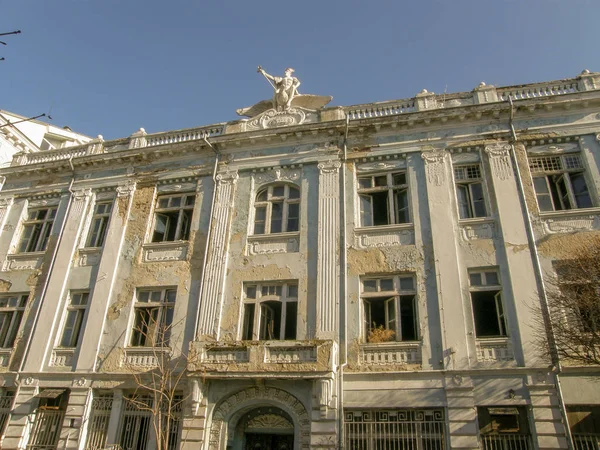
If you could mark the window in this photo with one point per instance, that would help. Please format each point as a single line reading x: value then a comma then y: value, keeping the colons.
x: 99, y: 224
x: 395, y: 429
x: 11, y: 314
x: 74, y: 320
x: 6, y: 402
x: 504, y: 428
x: 390, y: 309
x: 486, y: 298
x: 36, y: 230
x: 277, y: 209
x: 383, y: 199
x: 99, y: 417
x: 469, y: 191
x: 559, y: 182
x: 270, y: 311
x: 153, y: 316
x: 47, y: 425
x: 173, y: 217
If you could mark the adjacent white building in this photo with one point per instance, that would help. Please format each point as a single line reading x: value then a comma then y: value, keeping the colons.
x: 362, y: 277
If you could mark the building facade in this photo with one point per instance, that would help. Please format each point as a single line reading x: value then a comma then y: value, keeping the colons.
x: 363, y: 277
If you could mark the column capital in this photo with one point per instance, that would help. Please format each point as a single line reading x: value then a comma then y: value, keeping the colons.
x: 126, y: 189
x: 329, y: 166
x: 434, y: 165
x: 499, y: 155
x: 228, y: 177
x: 81, y: 194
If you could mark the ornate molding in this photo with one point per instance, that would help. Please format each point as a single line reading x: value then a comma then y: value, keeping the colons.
x: 395, y: 353
x: 435, y: 166
x: 371, y: 237
x: 228, y: 177
x: 126, y: 189
x: 269, y: 244
x: 23, y: 261
x: 89, y: 256
x: 278, y: 174
x: 164, y: 251
x: 571, y: 222
x: 474, y: 231
x: 381, y: 165
x: 494, y: 350
x: 6, y: 202
x: 329, y: 166
x: 273, y: 119
x: 499, y: 155
x: 270, y: 421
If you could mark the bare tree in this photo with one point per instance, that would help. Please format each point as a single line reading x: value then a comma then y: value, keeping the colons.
x: 161, y: 391
x: 574, y: 305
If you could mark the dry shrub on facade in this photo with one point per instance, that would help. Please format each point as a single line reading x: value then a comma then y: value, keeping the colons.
x: 573, y: 293
x: 380, y: 334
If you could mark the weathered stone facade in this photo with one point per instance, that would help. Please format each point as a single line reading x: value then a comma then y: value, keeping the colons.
x: 360, y: 279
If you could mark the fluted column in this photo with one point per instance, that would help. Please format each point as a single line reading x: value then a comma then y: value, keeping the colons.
x: 211, y: 296
x: 328, y: 258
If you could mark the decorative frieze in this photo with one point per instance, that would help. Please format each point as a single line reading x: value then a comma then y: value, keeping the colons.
x: 395, y: 353
x: 126, y: 189
x: 269, y: 244
x: 571, y: 221
x: 89, y: 256
x: 499, y: 155
x: 62, y: 357
x: 164, y: 251
x: 143, y: 357
x: 382, y: 165
x: 328, y: 246
x: 390, y: 236
x: 225, y: 355
x: 292, y: 174
x: 5, y: 356
x: 475, y: 230
x: 494, y: 350
x: 290, y: 354
x: 5, y: 205
x: 23, y: 261
x: 435, y: 166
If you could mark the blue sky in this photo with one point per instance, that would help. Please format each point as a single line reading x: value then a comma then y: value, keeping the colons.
x: 112, y: 66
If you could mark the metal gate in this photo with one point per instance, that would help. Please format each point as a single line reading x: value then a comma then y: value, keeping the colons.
x: 46, y: 429
x: 98, y: 428
x: 135, y: 423
x: 405, y: 429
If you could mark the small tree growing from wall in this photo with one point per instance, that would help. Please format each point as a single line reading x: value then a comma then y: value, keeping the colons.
x: 573, y: 294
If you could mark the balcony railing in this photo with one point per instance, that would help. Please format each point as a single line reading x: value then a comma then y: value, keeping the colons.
x: 586, y: 441
x: 506, y: 442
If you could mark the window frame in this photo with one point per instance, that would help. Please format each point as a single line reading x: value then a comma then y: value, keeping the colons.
x: 160, y: 326
x: 256, y: 329
x: 96, y: 239
x: 181, y: 233
x: 286, y: 200
x: 393, y: 300
x: 468, y: 182
x: 36, y: 241
x: 488, y: 285
x: 9, y: 335
x: 392, y: 205
x: 556, y: 173
x: 80, y: 313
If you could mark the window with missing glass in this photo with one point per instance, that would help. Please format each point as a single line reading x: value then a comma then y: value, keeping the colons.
x: 277, y: 209
x: 390, y: 309
x: 469, y: 191
x: 270, y: 311
x: 153, y: 317
x: 75, y: 314
x: 99, y: 225
x: 36, y: 230
x: 173, y: 217
x: 486, y: 299
x: 559, y: 182
x: 12, y: 308
x: 383, y: 199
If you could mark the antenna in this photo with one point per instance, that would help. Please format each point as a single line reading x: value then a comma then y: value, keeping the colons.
x: 7, y: 34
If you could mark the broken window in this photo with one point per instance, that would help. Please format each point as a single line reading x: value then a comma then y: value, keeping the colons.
x: 486, y: 298
x: 383, y: 199
x: 469, y: 191
x: 74, y: 319
x: 390, y: 309
x: 12, y: 308
x: 173, y: 217
x: 270, y: 311
x: 153, y: 317
x: 559, y: 182
x: 277, y: 209
x: 36, y: 230
x: 99, y: 224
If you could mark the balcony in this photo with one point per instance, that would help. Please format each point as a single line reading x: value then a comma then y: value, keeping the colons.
x: 247, y: 359
x: 390, y: 354
x: 506, y: 441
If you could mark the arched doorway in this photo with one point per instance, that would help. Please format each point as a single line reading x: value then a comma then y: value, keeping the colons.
x: 266, y: 428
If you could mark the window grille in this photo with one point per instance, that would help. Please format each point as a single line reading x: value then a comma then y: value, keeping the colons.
x: 6, y: 402
x: 504, y: 428
x: 36, y: 230
x: 99, y: 418
x: 404, y: 429
x: 277, y: 209
x: 135, y: 422
x: 48, y: 422
x: 470, y: 172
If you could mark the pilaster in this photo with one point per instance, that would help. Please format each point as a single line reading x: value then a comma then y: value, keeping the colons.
x: 462, y: 413
x: 112, y: 434
x: 105, y: 280
x: 516, y: 269
x: 448, y: 268
x: 19, y: 423
x: 50, y: 305
x: 211, y: 296
x: 5, y: 204
x: 328, y: 258
x: 194, y: 421
x: 70, y: 434
x: 546, y: 417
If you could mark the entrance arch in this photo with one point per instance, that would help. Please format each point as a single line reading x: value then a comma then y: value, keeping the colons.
x: 233, y: 414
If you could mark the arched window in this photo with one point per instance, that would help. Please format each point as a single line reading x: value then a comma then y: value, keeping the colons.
x: 277, y: 209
